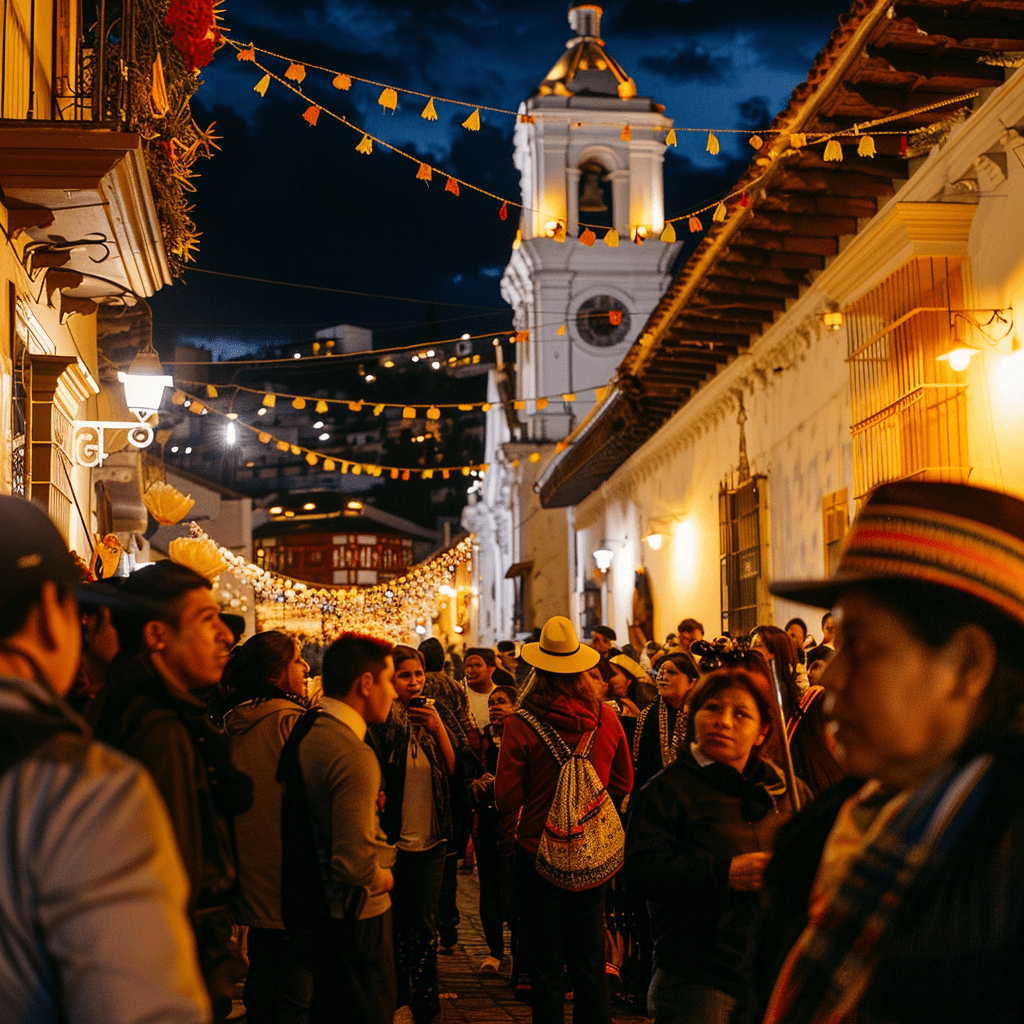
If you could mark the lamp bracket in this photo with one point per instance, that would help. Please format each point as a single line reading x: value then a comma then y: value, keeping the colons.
x: 87, y: 438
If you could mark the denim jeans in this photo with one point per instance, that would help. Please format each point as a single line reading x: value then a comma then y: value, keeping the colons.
x: 414, y: 917
x: 672, y: 999
x: 563, y: 931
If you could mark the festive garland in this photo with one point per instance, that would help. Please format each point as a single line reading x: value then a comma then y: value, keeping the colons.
x: 391, y: 610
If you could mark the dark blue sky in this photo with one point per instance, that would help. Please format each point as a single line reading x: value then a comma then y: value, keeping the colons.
x: 287, y: 202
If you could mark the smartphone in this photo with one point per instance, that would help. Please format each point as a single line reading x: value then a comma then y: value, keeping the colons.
x: 422, y: 702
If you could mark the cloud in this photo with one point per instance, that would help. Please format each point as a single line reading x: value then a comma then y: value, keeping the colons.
x: 690, y: 63
x: 666, y: 17
x: 755, y: 113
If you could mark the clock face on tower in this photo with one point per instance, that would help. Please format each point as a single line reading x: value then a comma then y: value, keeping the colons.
x: 602, y: 321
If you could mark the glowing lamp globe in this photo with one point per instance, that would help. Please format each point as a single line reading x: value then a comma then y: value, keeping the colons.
x: 144, y: 383
x: 603, y: 559
x: 958, y: 358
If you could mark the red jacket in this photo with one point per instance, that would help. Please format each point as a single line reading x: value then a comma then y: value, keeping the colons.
x: 527, y: 771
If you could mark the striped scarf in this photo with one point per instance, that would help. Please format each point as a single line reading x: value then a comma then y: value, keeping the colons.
x: 830, y: 965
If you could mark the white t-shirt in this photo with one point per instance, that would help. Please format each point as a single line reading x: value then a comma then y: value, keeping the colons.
x: 417, y: 801
x: 478, y: 707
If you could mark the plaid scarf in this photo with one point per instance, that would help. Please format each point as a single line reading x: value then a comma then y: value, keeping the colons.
x: 828, y: 969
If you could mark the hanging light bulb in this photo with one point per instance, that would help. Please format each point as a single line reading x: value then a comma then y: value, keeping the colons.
x: 231, y: 433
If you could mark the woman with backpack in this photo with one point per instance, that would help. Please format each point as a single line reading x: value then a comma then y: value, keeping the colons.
x: 563, y: 923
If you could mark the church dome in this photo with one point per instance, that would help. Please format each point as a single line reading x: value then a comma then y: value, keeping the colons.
x: 586, y: 68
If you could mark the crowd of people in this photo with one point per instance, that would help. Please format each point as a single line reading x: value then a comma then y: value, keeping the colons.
x: 757, y: 829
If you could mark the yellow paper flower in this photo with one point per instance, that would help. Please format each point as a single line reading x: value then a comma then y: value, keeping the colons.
x: 166, y: 504
x: 198, y: 555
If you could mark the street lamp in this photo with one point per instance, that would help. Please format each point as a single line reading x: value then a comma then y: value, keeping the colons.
x: 603, y: 559
x: 144, y: 385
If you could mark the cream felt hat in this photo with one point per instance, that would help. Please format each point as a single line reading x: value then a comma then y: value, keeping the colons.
x: 559, y: 650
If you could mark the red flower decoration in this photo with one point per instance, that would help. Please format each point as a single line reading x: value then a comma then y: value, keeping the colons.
x: 194, y: 32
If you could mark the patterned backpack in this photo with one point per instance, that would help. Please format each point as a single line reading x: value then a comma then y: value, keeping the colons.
x: 583, y: 841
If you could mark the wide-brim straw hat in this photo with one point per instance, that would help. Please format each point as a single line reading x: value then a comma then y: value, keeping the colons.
x: 559, y: 650
x: 629, y: 666
x: 966, y: 539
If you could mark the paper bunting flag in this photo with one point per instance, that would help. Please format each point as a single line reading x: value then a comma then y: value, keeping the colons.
x: 561, y: 330
x: 329, y: 466
x: 427, y: 474
x: 408, y: 413
x: 535, y: 456
x: 615, y: 317
x: 903, y: 145
x: 542, y: 404
x: 638, y: 238
x: 342, y: 82
x: 298, y: 403
x: 569, y: 396
x: 695, y: 225
x: 355, y: 406
x: 197, y: 408
x: 262, y: 85
x: 669, y: 234
x: 744, y: 200
x: 720, y: 212
x: 429, y: 113
x: 713, y: 146
x: 627, y: 133
x: 365, y: 146
x: 465, y: 407
x: 249, y: 53
x: 433, y: 413
x: 519, y: 405
x: 670, y: 139
x: 833, y: 150
x: 452, y: 186
x: 425, y: 173
x: 588, y: 237
x: 866, y: 146
x: 485, y: 407
x: 270, y: 401
x: 522, y: 337
x: 296, y: 72
x: 503, y: 212
x: 472, y: 123
x: 264, y: 438
x: 282, y: 446
x: 601, y: 393
x: 311, y: 114
x: 321, y: 407
x: 311, y: 459
x: 378, y: 409
x: 559, y: 235
x: 756, y: 142
x: 612, y: 239
x: 798, y: 140
x: 294, y: 449
x: 211, y: 391
x: 388, y: 99
x: 394, y: 474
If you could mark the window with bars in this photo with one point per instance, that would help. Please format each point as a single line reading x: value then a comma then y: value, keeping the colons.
x: 741, y: 521
x: 909, y: 412
x: 835, y: 521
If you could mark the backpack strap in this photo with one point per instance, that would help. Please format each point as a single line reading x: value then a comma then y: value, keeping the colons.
x: 560, y: 750
x: 585, y: 744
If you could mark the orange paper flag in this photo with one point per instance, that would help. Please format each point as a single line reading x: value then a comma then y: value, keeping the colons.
x: 296, y: 72
x: 342, y: 82
x: 388, y: 99
x: 588, y: 237
x: 365, y: 146
x: 503, y: 212
x: 425, y: 173
x: 452, y: 186
x: 249, y: 53
x: 311, y: 114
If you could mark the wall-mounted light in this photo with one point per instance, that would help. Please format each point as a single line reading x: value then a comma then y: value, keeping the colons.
x: 603, y: 558
x: 832, y: 319
x: 959, y: 358
x: 144, y: 385
x: 654, y: 541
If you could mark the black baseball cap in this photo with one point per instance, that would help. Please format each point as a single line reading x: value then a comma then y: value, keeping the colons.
x: 32, y: 552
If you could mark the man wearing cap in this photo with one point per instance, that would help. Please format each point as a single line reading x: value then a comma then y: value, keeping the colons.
x: 92, y: 890
x: 896, y: 896
x: 171, y: 649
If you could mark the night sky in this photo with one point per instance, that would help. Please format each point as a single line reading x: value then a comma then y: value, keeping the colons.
x: 287, y: 202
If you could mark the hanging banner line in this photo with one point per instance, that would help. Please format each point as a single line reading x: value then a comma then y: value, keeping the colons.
x: 330, y: 462
x: 425, y: 171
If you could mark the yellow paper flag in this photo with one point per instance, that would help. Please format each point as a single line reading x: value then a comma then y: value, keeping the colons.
x: 342, y: 82
x: 720, y: 212
x: 472, y: 123
x: 408, y: 413
x: 713, y: 146
x: 669, y: 234
x: 296, y: 72
x: 321, y: 407
x: 627, y: 133
x: 298, y: 403
x: 365, y: 146
x: 262, y: 85
x: 429, y: 113
x: 388, y: 99
x: 670, y: 139
x: 612, y: 239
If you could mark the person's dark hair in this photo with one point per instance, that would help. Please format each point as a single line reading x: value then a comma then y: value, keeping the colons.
x: 689, y: 626
x: 433, y: 654
x: 606, y: 631
x: 606, y: 668
x: 797, y: 622
x: 255, y: 668
x: 813, y: 761
x: 721, y: 679
x: 236, y: 623
x: 683, y: 662
x: 933, y: 614
x: 825, y: 618
x: 349, y: 657
x: 631, y: 652
x: 403, y: 653
x: 483, y: 652
x: 165, y: 582
x: 781, y: 645
x: 548, y: 686
x: 509, y: 691
x: 15, y: 608
x: 506, y: 647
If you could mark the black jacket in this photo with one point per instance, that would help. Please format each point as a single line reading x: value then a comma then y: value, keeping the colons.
x: 685, y: 826
x: 955, y: 950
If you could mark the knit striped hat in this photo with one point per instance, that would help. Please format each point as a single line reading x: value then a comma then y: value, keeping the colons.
x: 964, y: 538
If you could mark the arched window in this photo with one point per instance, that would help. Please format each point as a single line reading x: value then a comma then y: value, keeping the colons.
x: 595, y: 196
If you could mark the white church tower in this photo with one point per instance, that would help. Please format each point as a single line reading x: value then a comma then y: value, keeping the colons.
x: 589, y: 153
